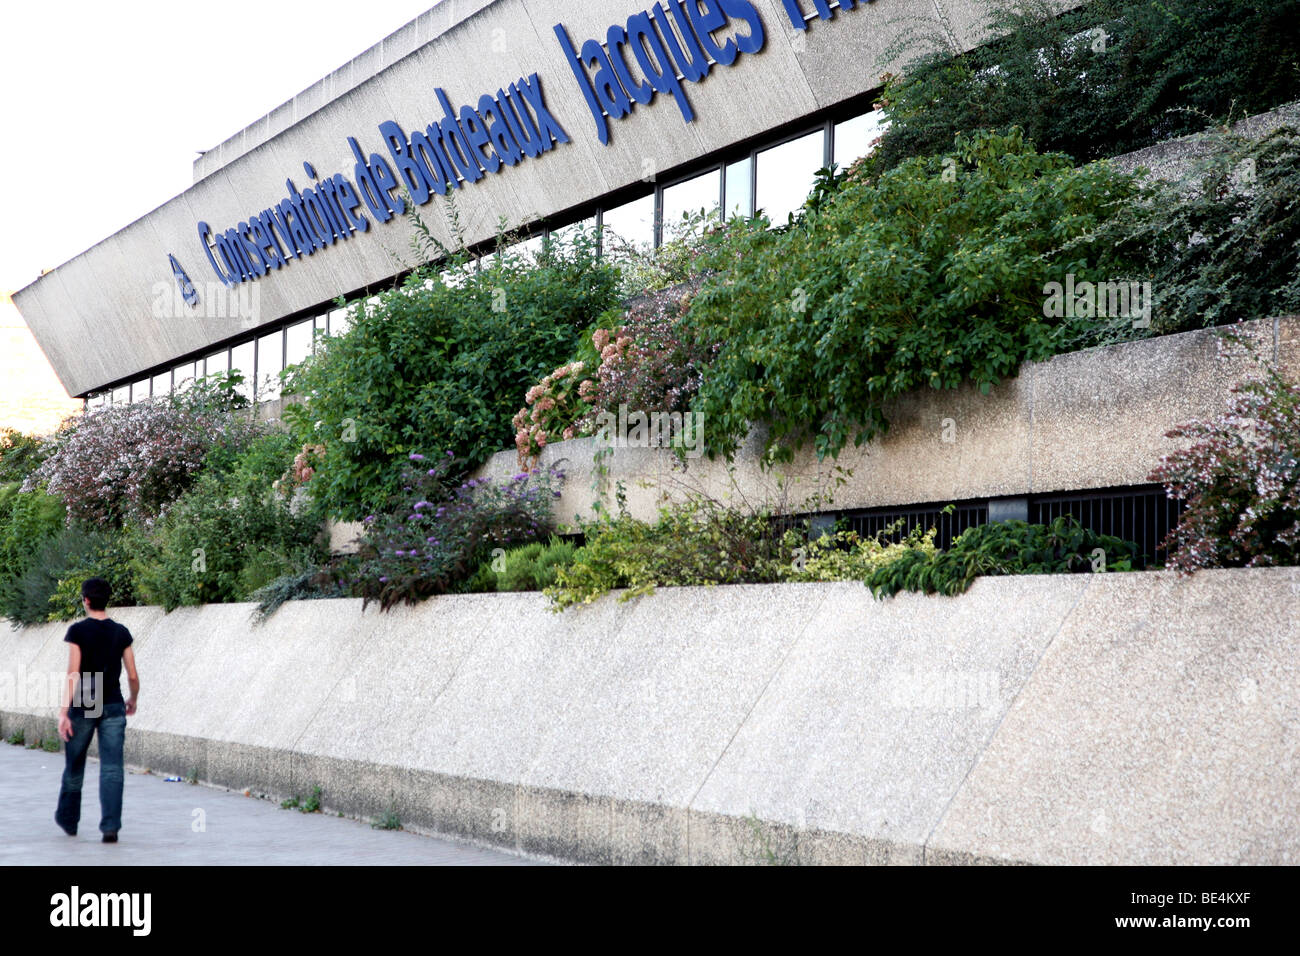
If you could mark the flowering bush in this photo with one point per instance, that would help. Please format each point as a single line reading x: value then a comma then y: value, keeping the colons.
x: 128, y: 462
x: 647, y: 363
x: 438, y: 540
x: 302, y: 470
x: 553, y: 408
x: 1240, y: 477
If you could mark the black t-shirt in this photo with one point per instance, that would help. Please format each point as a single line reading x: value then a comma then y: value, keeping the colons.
x: 102, y: 644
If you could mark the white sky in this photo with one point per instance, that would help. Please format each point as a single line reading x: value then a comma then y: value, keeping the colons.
x: 104, y: 105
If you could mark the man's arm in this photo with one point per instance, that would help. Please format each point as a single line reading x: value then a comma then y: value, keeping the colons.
x: 132, y: 678
x: 69, y: 688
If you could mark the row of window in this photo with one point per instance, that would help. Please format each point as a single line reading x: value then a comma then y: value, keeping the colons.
x: 260, y: 360
x: 774, y: 178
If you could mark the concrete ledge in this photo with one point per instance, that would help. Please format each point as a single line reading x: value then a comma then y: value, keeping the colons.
x: 1137, y: 718
x: 1180, y: 160
x: 1084, y: 420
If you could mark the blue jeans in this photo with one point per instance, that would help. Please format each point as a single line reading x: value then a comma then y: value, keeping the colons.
x: 112, y: 735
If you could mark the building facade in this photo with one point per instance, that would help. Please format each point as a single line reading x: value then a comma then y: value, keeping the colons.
x: 545, y: 113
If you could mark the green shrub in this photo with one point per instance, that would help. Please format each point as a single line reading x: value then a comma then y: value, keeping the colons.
x: 43, y: 591
x: 108, y: 556
x: 444, y: 364
x: 230, y: 535
x: 307, y: 581
x: 532, y: 567
x: 931, y: 276
x: 1157, y: 69
x: 1005, y: 547
x: 27, y: 518
x: 698, y: 542
x: 846, y: 556
x: 20, y: 455
x: 1224, y: 247
x: 30, y: 524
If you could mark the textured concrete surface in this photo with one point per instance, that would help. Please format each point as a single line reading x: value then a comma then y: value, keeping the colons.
x: 1180, y: 159
x: 1090, y: 419
x: 174, y: 824
x: 1137, y: 718
x: 1125, y: 738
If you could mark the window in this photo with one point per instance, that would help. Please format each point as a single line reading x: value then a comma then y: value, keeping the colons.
x: 122, y: 395
x: 297, y: 342
x: 162, y: 383
x: 322, y: 324
x: 96, y: 400
x: 786, y: 174
x: 524, y: 252
x: 456, y: 278
x: 740, y: 188
x: 856, y: 137
x: 630, y: 227
x: 570, y: 232
x: 217, y: 363
x: 340, y: 321
x: 241, y: 361
x: 140, y: 390
x: 692, y: 196
x: 270, y: 360
x: 183, y: 376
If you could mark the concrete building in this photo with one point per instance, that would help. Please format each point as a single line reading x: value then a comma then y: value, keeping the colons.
x: 548, y: 113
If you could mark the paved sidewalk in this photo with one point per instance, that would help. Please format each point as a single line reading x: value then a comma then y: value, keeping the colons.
x: 157, y: 819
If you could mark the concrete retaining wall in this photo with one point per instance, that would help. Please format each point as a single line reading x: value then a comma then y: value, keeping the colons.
x: 1136, y: 718
x: 1091, y: 419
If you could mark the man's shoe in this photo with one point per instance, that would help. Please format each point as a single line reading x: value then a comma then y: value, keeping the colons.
x: 70, y: 831
x: 110, y: 837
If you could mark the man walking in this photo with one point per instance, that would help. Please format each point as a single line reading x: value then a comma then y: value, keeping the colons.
x: 92, y: 698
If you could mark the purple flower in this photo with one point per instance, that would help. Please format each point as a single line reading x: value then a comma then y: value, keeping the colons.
x: 369, y: 518
x: 522, y: 476
x: 432, y: 472
x: 383, y: 580
x: 415, y: 457
x: 420, y: 504
x: 451, y: 454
